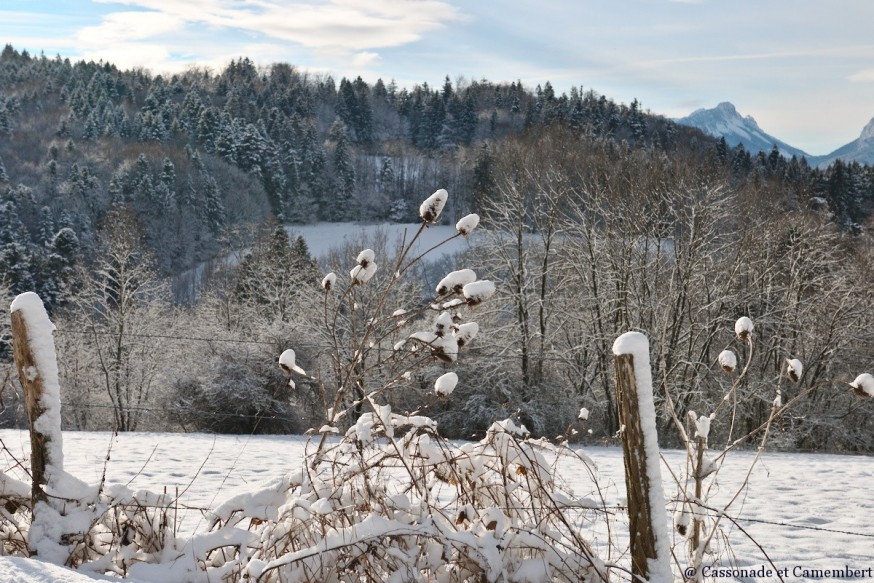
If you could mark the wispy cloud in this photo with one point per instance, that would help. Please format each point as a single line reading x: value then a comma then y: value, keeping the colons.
x: 338, y: 24
x: 863, y: 76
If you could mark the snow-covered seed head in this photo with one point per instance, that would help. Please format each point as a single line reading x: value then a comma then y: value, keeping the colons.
x: 478, y: 291
x: 465, y: 333
x: 442, y: 324
x: 682, y: 520
x: 584, y: 414
x: 455, y: 281
x: 445, y: 384
x: 794, y: 368
x: 328, y: 281
x: 288, y: 364
x: 467, y: 224
x: 743, y: 328
x: 863, y: 385
x: 727, y: 360
x: 365, y: 258
x: 361, y: 274
x: 431, y: 208
x: 778, y: 400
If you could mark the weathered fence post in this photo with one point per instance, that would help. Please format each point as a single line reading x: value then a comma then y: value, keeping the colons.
x: 36, y: 361
x: 650, y: 553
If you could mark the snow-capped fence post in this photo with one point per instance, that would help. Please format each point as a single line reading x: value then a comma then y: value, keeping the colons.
x: 35, y: 359
x: 650, y: 553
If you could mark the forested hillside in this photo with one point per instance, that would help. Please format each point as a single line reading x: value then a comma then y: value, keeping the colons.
x: 597, y: 218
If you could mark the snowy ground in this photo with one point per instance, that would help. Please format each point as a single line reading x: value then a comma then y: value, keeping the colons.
x: 802, y: 492
x: 322, y: 237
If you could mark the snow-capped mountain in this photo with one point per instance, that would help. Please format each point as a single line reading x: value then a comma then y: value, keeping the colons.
x: 724, y: 121
x: 859, y: 150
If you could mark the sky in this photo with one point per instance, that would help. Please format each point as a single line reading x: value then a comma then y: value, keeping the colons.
x: 803, y: 69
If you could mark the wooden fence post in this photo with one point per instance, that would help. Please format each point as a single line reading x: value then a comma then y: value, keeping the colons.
x: 31, y: 373
x: 650, y: 555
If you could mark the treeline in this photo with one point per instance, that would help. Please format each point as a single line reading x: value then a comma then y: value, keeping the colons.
x: 597, y: 218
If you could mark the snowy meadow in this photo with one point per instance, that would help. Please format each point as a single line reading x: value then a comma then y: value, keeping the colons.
x: 810, y: 511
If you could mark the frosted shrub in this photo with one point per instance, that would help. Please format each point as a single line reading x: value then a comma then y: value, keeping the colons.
x: 390, y: 499
x: 698, y: 522
x: 380, y: 496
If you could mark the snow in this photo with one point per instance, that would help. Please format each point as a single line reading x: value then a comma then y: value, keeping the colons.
x: 445, y: 384
x: 466, y: 332
x: 455, y: 281
x: 328, y: 281
x: 467, y: 224
x: 287, y: 361
x: 42, y: 346
x: 365, y: 257
x: 584, y: 414
x: 21, y: 570
x: 743, y: 327
x: 207, y: 470
x: 478, y: 291
x: 431, y: 208
x: 637, y: 345
x: 794, y: 368
x: 727, y: 360
x: 361, y: 274
x: 864, y: 385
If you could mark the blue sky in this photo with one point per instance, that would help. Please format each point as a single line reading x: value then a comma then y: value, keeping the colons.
x: 804, y: 69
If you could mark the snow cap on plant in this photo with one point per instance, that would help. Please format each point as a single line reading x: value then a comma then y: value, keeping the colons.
x: 478, y: 291
x: 445, y: 384
x: 584, y: 414
x: 455, y: 281
x: 794, y: 368
x: 361, y: 274
x: 287, y: 363
x: 365, y: 258
x: 743, y: 328
x: 328, y: 281
x: 467, y: 224
x: 466, y: 332
x: 442, y: 324
x: 431, y: 208
x: 727, y: 360
x: 863, y: 385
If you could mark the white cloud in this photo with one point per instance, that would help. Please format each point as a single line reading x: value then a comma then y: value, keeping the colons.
x: 346, y: 25
x: 863, y: 76
x: 365, y: 59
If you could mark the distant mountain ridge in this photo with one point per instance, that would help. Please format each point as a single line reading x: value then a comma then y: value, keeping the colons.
x: 723, y: 121
x: 860, y: 150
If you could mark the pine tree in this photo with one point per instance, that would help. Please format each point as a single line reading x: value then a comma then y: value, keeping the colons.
x: 46, y: 226
x: 4, y: 177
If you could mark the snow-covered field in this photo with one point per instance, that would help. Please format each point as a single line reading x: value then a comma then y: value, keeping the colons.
x: 824, y: 504
x: 321, y: 238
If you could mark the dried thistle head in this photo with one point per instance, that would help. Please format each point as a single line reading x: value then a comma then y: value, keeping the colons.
x: 743, y: 328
